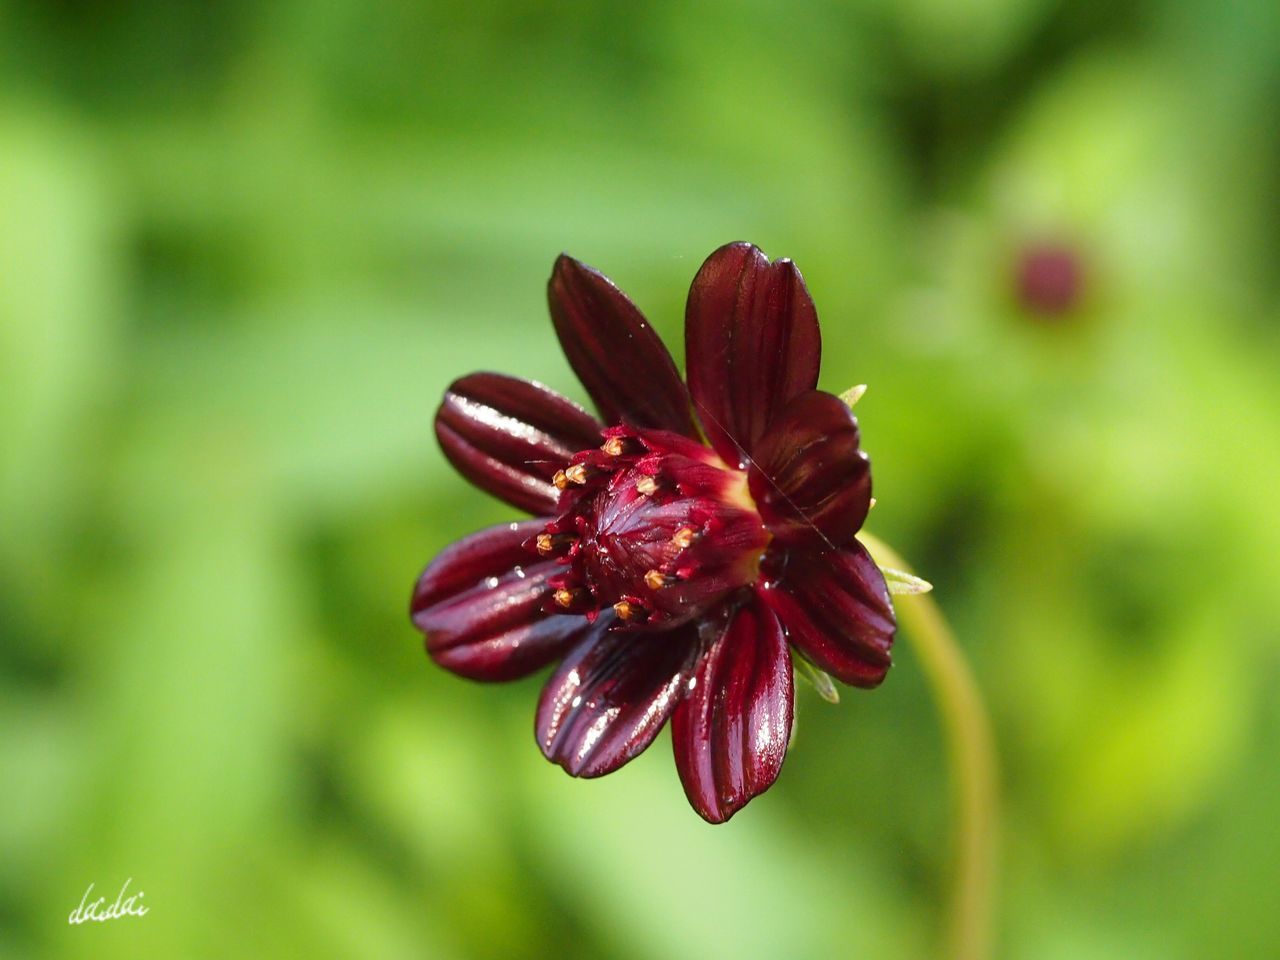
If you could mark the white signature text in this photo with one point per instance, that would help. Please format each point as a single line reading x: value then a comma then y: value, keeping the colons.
x: 97, y: 910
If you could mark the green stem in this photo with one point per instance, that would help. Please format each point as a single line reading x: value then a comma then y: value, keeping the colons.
x: 972, y: 756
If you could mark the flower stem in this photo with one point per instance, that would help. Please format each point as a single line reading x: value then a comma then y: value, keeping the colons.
x: 972, y: 757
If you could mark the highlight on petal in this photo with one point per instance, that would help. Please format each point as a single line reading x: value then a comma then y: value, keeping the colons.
x: 810, y: 481
x: 837, y: 612
x: 510, y: 436
x: 615, y: 353
x: 752, y: 344
x: 481, y: 607
x: 610, y: 697
x: 730, y: 733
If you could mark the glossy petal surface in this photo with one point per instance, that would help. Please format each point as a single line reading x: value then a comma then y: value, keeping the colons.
x: 836, y: 610
x: 615, y: 353
x: 811, y: 483
x: 480, y: 605
x: 510, y: 436
x: 751, y: 344
x: 730, y: 734
x: 611, y: 696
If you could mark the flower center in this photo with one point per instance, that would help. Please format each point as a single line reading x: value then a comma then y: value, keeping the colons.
x: 655, y: 526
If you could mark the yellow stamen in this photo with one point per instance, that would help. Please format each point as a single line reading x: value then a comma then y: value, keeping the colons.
x: 656, y: 579
x: 549, y: 543
x: 567, y: 598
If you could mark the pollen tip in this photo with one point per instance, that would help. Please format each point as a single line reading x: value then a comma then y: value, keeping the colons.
x: 615, y: 446
x: 647, y: 486
x: 656, y: 580
x: 628, y: 612
x: 566, y: 598
x: 683, y: 537
x: 551, y: 544
x: 576, y: 474
x: 561, y: 480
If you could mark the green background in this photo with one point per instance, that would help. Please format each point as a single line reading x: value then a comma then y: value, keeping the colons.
x: 243, y: 248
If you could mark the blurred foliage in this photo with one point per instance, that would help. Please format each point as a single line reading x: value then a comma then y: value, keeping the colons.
x: 243, y: 248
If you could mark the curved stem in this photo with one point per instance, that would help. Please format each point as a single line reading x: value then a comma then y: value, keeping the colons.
x: 972, y: 756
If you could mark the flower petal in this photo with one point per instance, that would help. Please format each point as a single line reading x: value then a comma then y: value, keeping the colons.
x: 510, y: 436
x: 751, y: 345
x: 731, y: 733
x: 480, y: 607
x: 611, y: 696
x: 810, y: 481
x: 836, y: 609
x: 615, y: 353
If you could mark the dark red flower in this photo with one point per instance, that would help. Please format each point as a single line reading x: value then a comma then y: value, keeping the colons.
x: 669, y: 578
x: 1050, y: 279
